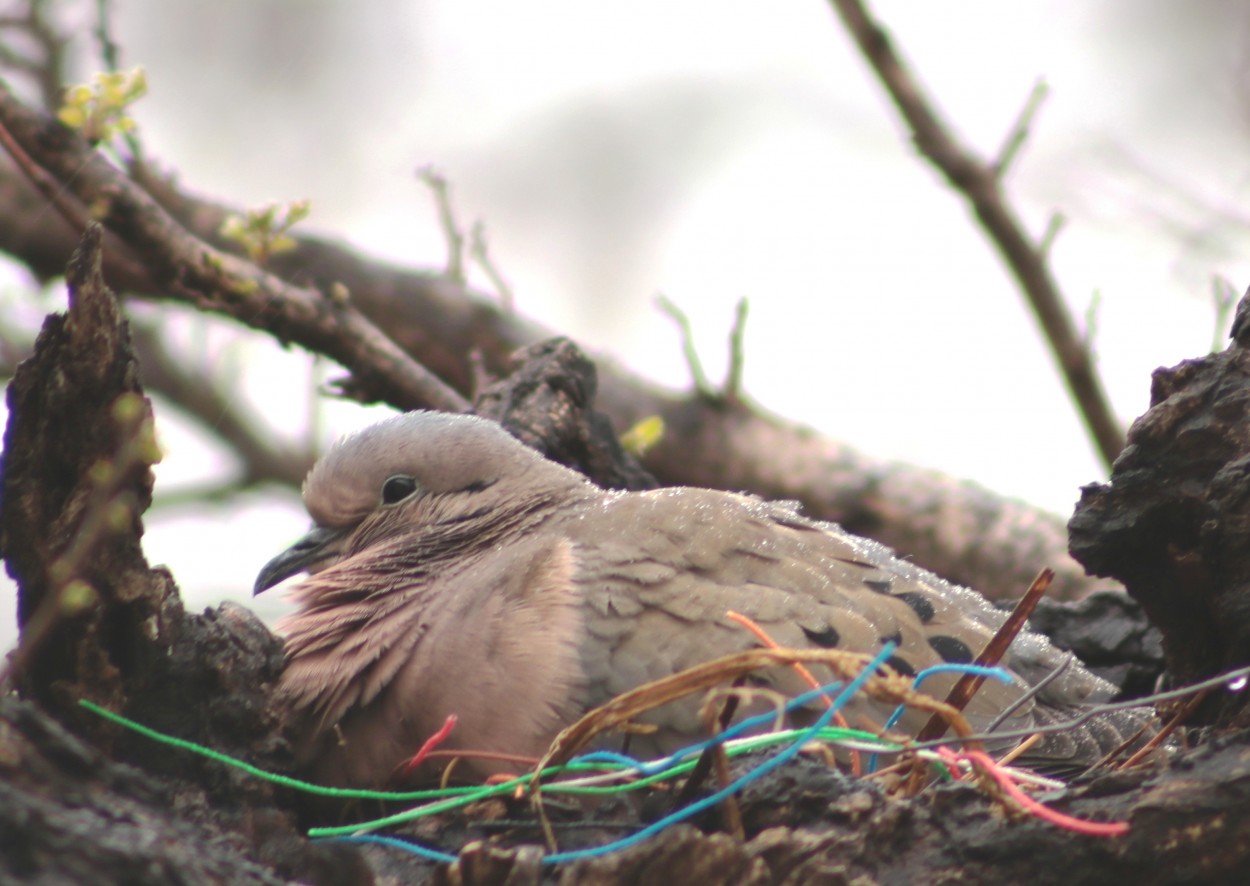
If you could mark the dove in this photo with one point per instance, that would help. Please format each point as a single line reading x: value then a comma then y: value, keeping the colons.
x: 454, y: 571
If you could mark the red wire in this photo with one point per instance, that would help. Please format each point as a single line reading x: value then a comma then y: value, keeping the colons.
x: 986, y: 763
x: 430, y: 744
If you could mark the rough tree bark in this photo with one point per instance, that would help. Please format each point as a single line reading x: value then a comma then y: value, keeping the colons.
x: 1174, y: 522
x: 83, y: 800
x: 98, y: 623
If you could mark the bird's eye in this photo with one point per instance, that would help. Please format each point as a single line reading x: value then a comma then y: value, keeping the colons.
x: 397, y: 488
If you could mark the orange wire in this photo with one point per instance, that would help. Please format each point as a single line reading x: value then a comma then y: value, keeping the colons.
x: 769, y: 643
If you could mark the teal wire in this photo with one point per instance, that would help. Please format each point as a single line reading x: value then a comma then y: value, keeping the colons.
x: 686, y: 812
x: 455, y: 797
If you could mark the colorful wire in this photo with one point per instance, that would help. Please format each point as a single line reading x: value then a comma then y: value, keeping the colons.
x: 604, y: 772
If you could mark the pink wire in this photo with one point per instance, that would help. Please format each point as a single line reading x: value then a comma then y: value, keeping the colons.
x: 430, y: 744
x: 1079, y: 825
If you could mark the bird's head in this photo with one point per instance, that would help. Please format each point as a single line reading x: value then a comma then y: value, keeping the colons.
x: 409, y: 473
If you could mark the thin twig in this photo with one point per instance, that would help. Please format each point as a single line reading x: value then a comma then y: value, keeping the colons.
x: 1091, y: 318
x: 110, y: 54
x: 1186, y: 710
x: 703, y: 387
x: 1054, y: 225
x: 737, y: 353
x: 481, y: 254
x: 1019, y: 132
x: 967, y: 685
x: 1225, y: 297
x: 437, y: 183
x: 714, y: 756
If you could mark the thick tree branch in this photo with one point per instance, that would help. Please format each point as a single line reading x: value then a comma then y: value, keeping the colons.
x: 192, y: 271
x: 957, y: 529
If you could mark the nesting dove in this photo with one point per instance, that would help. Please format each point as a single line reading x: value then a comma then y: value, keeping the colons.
x: 453, y: 570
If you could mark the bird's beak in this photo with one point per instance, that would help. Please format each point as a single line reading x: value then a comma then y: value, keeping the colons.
x: 320, y: 544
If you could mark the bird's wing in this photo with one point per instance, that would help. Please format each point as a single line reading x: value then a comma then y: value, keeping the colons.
x: 660, y: 570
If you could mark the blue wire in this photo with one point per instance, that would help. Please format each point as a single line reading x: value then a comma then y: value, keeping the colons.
x: 610, y: 757
x: 733, y: 787
x: 395, y: 843
x: 996, y: 672
x: 698, y: 806
x: 694, y: 808
x: 655, y: 766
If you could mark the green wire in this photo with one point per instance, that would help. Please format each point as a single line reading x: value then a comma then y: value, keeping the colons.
x: 453, y: 798
x: 242, y: 765
x: 495, y: 790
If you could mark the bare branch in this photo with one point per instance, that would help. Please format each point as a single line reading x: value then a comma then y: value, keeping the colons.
x: 1019, y: 132
x: 737, y: 352
x: 702, y: 385
x: 263, y: 458
x: 481, y: 254
x: 198, y: 274
x: 996, y: 547
x: 979, y: 183
x: 437, y: 183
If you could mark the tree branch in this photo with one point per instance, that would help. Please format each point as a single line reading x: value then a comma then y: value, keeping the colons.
x: 996, y: 545
x: 979, y: 182
x: 198, y: 274
x: 217, y: 413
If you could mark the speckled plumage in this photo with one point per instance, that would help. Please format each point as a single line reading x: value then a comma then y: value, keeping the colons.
x: 510, y: 591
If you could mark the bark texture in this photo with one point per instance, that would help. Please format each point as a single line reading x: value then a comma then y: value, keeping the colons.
x: 1173, y: 524
x: 80, y: 799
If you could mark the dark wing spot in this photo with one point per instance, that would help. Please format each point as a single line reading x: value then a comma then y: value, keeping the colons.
x: 919, y: 603
x: 896, y: 638
x: 901, y: 665
x: 827, y: 638
x: 952, y: 650
x: 881, y: 586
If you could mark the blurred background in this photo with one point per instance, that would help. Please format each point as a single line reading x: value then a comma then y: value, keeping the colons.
x: 709, y: 151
